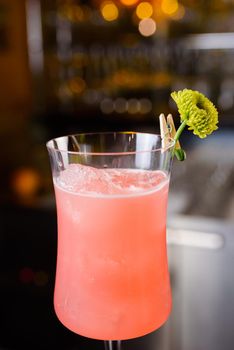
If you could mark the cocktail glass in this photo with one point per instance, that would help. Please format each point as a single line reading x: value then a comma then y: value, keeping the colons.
x: 112, y: 281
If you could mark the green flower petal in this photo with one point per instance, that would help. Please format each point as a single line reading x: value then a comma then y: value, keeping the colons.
x: 197, y: 110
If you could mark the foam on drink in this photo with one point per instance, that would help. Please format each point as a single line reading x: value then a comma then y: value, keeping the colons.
x: 88, y: 180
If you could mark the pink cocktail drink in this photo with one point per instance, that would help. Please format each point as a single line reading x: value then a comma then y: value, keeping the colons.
x: 112, y: 275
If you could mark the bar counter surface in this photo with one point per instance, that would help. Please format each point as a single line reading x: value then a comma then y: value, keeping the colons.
x: 201, y: 259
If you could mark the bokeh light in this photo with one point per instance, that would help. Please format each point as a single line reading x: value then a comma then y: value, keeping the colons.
x: 107, y: 106
x: 109, y: 11
x: 179, y: 14
x: 133, y: 106
x: 144, y: 10
x: 26, y: 182
x: 77, y: 85
x: 145, y: 105
x: 147, y: 27
x: 41, y: 278
x: 129, y: 2
x: 78, y: 13
x: 121, y: 105
x: 169, y: 7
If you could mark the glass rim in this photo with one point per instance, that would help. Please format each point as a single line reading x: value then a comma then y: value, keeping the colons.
x: 170, y: 144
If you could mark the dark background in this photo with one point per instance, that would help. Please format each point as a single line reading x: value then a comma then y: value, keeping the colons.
x: 67, y: 67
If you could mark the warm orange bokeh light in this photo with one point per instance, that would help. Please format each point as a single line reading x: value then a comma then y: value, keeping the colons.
x: 77, y: 85
x: 26, y: 182
x: 129, y: 2
x: 109, y: 11
x: 144, y: 10
x: 169, y: 7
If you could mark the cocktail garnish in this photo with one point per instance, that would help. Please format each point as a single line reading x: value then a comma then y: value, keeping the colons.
x: 197, y: 112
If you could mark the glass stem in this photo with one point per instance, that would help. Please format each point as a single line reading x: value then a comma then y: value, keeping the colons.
x: 113, y: 345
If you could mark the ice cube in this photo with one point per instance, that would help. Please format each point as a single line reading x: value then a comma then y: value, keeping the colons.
x: 86, y: 179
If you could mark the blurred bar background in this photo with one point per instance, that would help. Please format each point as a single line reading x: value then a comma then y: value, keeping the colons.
x: 69, y: 66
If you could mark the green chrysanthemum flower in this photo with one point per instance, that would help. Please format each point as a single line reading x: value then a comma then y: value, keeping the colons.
x: 197, y: 111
